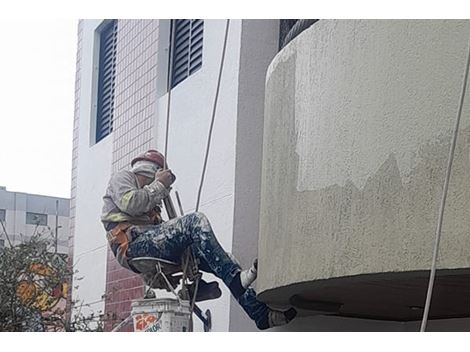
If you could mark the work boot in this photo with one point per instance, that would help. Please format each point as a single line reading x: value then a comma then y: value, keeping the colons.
x: 247, y: 277
x: 205, y: 290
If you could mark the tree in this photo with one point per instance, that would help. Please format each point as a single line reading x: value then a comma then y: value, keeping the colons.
x: 34, y: 283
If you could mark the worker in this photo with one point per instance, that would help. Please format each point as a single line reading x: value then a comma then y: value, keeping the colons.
x: 131, y: 217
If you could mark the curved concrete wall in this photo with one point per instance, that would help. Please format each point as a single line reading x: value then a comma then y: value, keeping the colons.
x: 358, y: 123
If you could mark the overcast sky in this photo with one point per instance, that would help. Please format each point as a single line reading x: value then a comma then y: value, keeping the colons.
x: 37, y: 77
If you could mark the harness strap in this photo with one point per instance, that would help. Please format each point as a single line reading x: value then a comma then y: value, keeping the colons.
x: 118, y: 238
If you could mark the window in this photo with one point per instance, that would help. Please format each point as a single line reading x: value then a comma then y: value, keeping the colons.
x: 106, y: 80
x: 36, y: 219
x: 2, y: 214
x: 186, y: 49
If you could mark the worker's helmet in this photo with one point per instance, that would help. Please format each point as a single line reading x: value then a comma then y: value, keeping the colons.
x: 150, y: 155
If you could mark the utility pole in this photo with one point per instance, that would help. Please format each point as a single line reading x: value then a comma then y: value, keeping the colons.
x: 56, y: 223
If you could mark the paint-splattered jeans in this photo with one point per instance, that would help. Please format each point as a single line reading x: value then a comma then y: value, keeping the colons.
x: 170, y: 239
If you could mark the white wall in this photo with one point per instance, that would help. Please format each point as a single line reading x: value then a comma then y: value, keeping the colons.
x: 259, y: 44
x: 191, y: 107
x: 94, y: 170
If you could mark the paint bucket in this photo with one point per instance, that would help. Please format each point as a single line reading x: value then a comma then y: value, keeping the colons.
x: 161, y: 315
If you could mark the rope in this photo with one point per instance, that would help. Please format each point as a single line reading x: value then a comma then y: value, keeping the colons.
x: 443, y: 199
x: 170, y: 65
x: 222, y: 60
x: 187, y: 254
x: 188, y: 257
x: 122, y: 323
x: 179, y: 202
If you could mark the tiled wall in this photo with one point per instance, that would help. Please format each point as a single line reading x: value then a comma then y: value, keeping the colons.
x: 75, y: 152
x: 134, y: 116
x: 135, y: 95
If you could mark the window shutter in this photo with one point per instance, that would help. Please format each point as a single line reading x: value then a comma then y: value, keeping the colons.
x: 186, y: 48
x: 106, y: 80
x: 195, y: 56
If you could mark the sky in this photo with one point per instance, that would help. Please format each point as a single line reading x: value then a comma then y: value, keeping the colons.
x: 37, y: 77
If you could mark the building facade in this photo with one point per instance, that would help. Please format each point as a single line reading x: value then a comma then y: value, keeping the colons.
x: 24, y: 215
x: 121, y: 102
x: 330, y: 142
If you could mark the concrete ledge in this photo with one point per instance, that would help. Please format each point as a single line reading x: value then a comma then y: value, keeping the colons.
x: 383, y: 296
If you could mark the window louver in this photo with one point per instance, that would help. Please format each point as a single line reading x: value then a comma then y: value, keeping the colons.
x: 186, y: 49
x: 106, y: 78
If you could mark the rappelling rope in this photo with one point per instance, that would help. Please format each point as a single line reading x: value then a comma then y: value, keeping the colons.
x: 170, y: 65
x: 187, y: 256
x: 188, y: 260
x: 189, y: 252
x: 214, y: 107
x: 444, y: 196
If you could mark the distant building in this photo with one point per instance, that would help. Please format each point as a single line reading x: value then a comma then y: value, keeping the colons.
x: 24, y: 214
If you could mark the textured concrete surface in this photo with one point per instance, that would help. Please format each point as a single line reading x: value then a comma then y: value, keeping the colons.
x: 358, y: 122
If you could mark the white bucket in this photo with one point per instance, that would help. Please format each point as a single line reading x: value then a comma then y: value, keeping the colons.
x: 161, y: 315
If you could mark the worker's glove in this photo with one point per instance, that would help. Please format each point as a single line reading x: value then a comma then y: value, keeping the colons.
x: 157, y: 191
x: 165, y: 177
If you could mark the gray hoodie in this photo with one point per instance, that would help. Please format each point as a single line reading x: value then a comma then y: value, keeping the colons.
x: 126, y: 201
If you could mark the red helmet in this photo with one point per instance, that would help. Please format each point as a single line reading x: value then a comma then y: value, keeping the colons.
x: 150, y: 155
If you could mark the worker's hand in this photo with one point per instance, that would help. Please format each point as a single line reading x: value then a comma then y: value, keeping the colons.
x: 166, y: 177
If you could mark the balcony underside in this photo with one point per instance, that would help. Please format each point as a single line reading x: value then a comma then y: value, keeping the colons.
x: 385, y: 296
